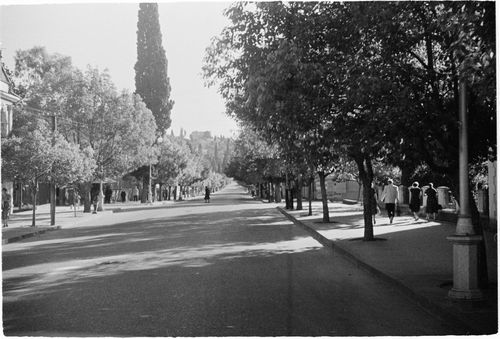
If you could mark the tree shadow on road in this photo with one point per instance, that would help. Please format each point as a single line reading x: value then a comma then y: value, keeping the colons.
x: 194, y: 240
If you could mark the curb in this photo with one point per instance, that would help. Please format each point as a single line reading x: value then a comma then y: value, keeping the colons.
x: 421, y: 300
x: 29, y: 235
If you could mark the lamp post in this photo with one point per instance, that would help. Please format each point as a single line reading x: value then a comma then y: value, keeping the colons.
x: 465, y: 241
x: 159, y: 140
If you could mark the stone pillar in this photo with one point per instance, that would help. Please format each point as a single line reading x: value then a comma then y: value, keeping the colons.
x: 465, y: 272
x: 424, y: 197
x: 482, y: 201
x: 443, y: 196
x: 403, y: 196
x: 492, y: 194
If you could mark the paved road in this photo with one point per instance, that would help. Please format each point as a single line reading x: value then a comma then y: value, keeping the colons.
x: 229, y: 268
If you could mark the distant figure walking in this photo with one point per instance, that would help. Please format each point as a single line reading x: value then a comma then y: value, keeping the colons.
x: 76, y: 200
x: 415, y: 199
x: 431, y: 207
x: 390, y: 198
x: 5, y: 207
x: 135, y: 193
x: 95, y: 200
x: 124, y: 196
x: 207, y: 194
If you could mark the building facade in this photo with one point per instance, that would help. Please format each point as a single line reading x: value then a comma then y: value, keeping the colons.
x: 7, y: 100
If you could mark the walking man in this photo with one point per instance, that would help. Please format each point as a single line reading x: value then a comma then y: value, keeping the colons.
x: 390, y: 198
x: 135, y: 193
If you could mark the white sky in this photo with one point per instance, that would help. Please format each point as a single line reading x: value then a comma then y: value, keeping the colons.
x: 104, y: 35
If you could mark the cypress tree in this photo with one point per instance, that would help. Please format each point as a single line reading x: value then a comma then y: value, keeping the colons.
x: 151, y: 79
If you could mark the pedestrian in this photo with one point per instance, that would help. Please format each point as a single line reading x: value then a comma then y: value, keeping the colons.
x: 431, y: 207
x: 94, y: 202
x: 5, y: 207
x: 135, y: 193
x: 207, y: 194
x: 124, y: 196
x: 390, y: 198
x: 415, y: 199
x: 374, y: 202
x: 108, y: 193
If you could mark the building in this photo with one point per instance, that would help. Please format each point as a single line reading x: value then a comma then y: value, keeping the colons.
x: 7, y: 100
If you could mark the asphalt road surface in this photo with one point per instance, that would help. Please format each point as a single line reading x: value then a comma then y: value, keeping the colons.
x: 233, y: 267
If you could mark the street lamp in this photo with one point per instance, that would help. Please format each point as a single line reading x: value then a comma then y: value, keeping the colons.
x: 158, y: 140
x: 465, y: 241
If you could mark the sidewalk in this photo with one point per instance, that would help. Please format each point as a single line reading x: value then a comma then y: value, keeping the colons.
x: 413, y: 256
x: 20, y: 222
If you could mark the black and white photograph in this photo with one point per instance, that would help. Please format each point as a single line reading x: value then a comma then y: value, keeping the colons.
x: 248, y: 168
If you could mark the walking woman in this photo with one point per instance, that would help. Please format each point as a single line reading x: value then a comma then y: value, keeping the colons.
x: 432, y: 202
x: 207, y: 194
x: 415, y: 199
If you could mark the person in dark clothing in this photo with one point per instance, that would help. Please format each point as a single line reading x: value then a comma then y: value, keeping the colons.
x: 431, y: 207
x: 415, y: 199
x: 207, y: 194
x: 5, y: 207
x: 95, y: 200
x: 124, y: 196
x: 108, y: 192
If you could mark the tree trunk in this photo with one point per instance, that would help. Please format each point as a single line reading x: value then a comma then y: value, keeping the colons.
x: 35, y: 191
x: 145, y: 190
x: 86, y: 197
x: 310, y: 195
x: 100, y: 203
x: 299, y: 192
x: 326, y: 213
x: 169, y: 191
x: 366, y: 175
x: 52, y: 192
x: 277, y: 192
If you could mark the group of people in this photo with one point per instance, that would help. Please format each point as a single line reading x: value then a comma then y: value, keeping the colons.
x: 134, y: 197
x: 390, y: 196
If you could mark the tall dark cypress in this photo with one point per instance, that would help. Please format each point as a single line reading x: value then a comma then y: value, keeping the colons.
x: 151, y: 79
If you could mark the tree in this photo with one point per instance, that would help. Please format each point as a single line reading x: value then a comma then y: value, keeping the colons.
x: 151, y: 80
x: 172, y: 160
x: 341, y: 80
x: 117, y: 127
x: 269, y: 71
x: 35, y: 155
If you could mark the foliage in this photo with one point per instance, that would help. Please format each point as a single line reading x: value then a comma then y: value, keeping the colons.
x: 34, y: 154
x: 254, y: 160
x: 173, y: 159
x: 214, y: 152
x: 361, y: 79
x: 151, y: 78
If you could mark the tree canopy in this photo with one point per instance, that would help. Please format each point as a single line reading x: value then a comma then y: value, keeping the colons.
x: 365, y: 80
x: 151, y: 69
